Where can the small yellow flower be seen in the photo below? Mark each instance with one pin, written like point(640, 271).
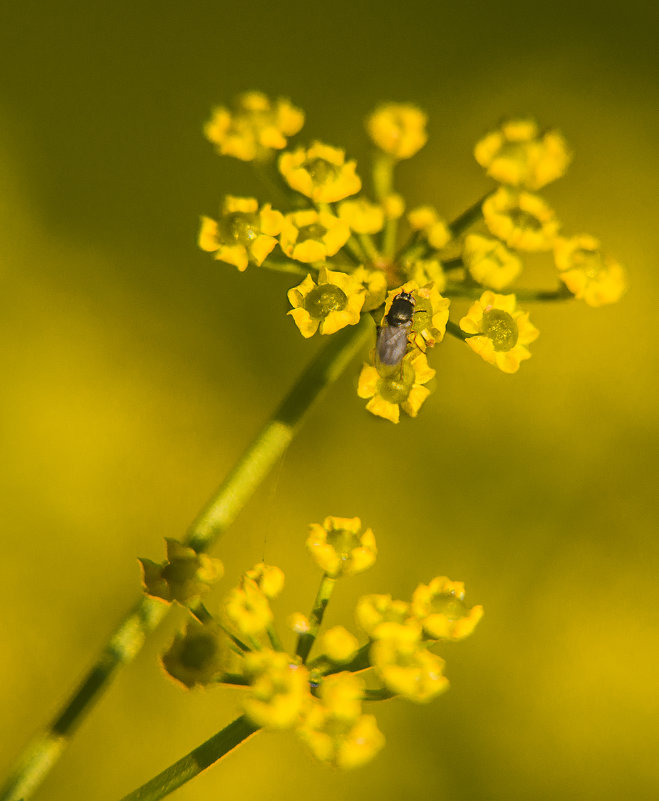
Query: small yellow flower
point(523, 220)
point(490, 262)
point(405, 665)
point(248, 609)
point(254, 127)
point(341, 694)
point(590, 274)
point(440, 608)
point(430, 313)
point(374, 610)
point(398, 129)
point(333, 303)
point(430, 317)
point(500, 331)
point(375, 284)
point(243, 233)
point(362, 216)
point(279, 689)
point(427, 271)
point(199, 656)
point(320, 173)
point(519, 154)
point(268, 578)
point(400, 390)
point(183, 577)
point(335, 730)
point(338, 644)
point(435, 228)
point(393, 205)
point(340, 547)
point(299, 623)
point(310, 235)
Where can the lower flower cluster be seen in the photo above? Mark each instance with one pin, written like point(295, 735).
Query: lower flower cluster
point(319, 687)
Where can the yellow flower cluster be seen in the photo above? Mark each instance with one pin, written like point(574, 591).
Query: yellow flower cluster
point(345, 245)
point(518, 153)
point(254, 127)
point(320, 699)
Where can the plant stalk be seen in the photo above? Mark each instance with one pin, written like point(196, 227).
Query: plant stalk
point(257, 461)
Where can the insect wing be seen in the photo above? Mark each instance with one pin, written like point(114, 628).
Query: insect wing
point(392, 344)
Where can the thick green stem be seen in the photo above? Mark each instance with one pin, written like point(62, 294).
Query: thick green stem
point(306, 640)
point(251, 469)
point(193, 763)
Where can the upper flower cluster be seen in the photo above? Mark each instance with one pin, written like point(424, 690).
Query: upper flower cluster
point(317, 688)
point(345, 245)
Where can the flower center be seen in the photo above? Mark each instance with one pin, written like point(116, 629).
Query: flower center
point(314, 231)
point(180, 570)
point(422, 315)
point(324, 299)
point(344, 543)
point(500, 327)
point(197, 651)
point(450, 606)
point(514, 151)
point(240, 226)
point(525, 220)
point(590, 261)
point(395, 388)
point(320, 170)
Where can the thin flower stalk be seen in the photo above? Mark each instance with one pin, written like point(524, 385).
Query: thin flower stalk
point(306, 640)
point(192, 764)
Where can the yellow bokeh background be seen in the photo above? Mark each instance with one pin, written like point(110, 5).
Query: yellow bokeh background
point(136, 370)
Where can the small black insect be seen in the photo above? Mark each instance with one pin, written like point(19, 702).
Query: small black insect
point(392, 337)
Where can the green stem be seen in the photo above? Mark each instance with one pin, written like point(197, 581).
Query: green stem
point(383, 184)
point(270, 177)
point(202, 614)
point(455, 330)
point(192, 764)
point(410, 247)
point(305, 641)
point(389, 236)
point(472, 215)
point(284, 267)
point(274, 638)
point(354, 248)
point(360, 661)
point(252, 468)
point(383, 175)
point(369, 248)
point(378, 695)
point(453, 290)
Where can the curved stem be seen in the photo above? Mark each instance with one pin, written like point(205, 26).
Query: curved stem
point(455, 330)
point(234, 492)
point(193, 763)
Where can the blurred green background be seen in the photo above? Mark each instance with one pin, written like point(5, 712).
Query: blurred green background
point(135, 370)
